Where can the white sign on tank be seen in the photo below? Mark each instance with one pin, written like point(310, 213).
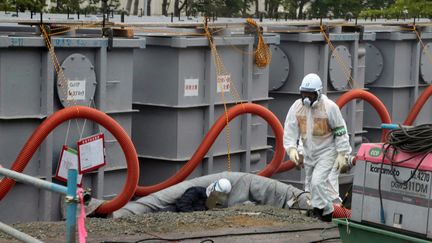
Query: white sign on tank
point(76, 90)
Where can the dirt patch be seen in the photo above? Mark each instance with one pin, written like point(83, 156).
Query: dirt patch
point(236, 217)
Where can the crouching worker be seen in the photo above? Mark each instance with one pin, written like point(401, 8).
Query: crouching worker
point(199, 198)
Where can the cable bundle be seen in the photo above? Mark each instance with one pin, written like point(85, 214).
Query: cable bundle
point(416, 139)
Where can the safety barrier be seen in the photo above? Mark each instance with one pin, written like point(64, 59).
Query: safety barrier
point(71, 200)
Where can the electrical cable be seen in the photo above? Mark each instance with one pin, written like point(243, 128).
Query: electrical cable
point(344, 200)
point(382, 215)
point(326, 239)
point(296, 201)
point(415, 140)
point(225, 235)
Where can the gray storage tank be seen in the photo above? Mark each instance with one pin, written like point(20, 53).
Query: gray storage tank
point(29, 93)
point(173, 117)
point(397, 72)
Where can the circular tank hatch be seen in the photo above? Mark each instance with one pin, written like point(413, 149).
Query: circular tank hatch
point(279, 68)
point(78, 85)
point(374, 63)
point(337, 71)
point(426, 63)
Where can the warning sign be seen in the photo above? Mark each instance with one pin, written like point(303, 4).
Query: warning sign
point(91, 153)
point(223, 83)
point(191, 87)
point(76, 90)
point(68, 160)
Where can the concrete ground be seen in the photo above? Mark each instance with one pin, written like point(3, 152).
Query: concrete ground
point(319, 232)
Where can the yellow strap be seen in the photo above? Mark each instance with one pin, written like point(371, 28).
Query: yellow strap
point(339, 60)
point(220, 71)
point(425, 48)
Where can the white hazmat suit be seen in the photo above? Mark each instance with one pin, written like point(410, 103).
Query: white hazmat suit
point(324, 137)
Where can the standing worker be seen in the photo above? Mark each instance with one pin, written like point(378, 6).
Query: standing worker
point(320, 125)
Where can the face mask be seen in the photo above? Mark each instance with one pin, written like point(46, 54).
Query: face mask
point(307, 101)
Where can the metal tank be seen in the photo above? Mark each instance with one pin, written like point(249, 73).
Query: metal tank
point(397, 72)
point(30, 91)
point(176, 93)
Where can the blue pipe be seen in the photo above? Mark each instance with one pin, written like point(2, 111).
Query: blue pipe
point(69, 191)
point(71, 208)
point(389, 126)
point(30, 180)
point(392, 126)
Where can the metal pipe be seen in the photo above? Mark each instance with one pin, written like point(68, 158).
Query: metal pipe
point(18, 234)
point(69, 191)
point(71, 207)
point(33, 181)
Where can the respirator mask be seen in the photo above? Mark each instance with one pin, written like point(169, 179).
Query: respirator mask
point(310, 99)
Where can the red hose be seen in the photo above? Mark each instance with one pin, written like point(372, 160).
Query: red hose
point(342, 101)
point(211, 136)
point(110, 124)
point(285, 166)
point(418, 105)
point(341, 212)
point(372, 100)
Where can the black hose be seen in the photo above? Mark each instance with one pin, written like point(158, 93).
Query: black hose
point(226, 235)
point(414, 140)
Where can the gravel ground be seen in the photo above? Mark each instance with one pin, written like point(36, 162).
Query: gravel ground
point(153, 225)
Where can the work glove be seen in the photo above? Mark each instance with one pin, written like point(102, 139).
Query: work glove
point(341, 163)
point(294, 156)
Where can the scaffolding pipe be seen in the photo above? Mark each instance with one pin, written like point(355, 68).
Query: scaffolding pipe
point(18, 234)
point(69, 191)
point(71, 205)
point(26, 179)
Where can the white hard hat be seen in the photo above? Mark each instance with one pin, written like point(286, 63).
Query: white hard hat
point(311, 83)
point(221, 185)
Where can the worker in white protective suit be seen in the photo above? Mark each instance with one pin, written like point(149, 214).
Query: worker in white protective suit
point(318, 123)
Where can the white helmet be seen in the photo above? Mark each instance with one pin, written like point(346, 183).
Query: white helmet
point(221, 185)
point(311, 83)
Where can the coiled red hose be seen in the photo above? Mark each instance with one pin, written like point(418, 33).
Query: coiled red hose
point(211, 136)
point(95, 115)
